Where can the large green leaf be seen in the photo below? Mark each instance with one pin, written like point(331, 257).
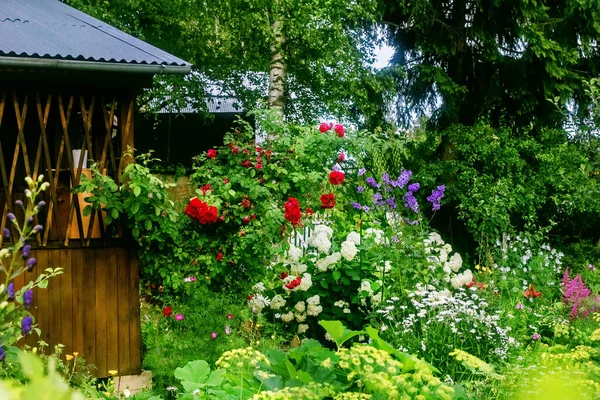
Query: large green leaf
point(338, 332)
point(196, 375)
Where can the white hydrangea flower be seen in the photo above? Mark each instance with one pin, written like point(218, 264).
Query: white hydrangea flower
point(443, 255)
point(302, 328)
point(321, 242)
point(346, 311)
point(447, 248)
point(298, 269)
point(341, 304)
point(314, 310)
point(366, 287)
point(277, 302)
point(288, 317)
point(462, 279)
point(294, 253)
point(353, 237)
point(259, 287)
point(300, 306)
point(300, 317)
point(259, 302)
point(313, 300)
point(306, 282)
point(349, 250)
point(455, 262)
point(323, 229)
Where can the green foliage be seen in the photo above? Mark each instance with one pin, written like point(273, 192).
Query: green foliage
point(338, 332)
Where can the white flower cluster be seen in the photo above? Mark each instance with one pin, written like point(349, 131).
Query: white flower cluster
point(321, 238)
point(349, 250)
point(377, 234)
point(323, 264)
point(298, 269)
point(365, 286)
point(462, 279)
point(258, 302)
point(314, 308)
point(464, 313)
point(294, 254)
point(277, 302)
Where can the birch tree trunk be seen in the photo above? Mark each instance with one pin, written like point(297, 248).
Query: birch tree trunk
point(277, 72)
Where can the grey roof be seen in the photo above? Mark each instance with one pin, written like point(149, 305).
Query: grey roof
point(214, 105)
point(50, 33)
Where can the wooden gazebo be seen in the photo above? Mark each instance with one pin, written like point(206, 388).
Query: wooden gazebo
point(68, 84)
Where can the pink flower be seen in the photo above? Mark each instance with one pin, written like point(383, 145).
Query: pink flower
point(230, 316)
point(227, 330)
point(179, 317)
point(520, 306)
point(213, 335)
point(339, 129)
point(212, 153)
point(536, 336)
point(324, 127)
point(341, 157)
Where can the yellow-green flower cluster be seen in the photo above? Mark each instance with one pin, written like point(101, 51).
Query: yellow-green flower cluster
point(241, 358)
point(595, 335)
point(312, 390)
point(579, 353)
point(375, 371)
point(472, 362)
point(352, 396)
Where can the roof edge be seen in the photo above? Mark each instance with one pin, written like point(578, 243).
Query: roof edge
point(78, 65)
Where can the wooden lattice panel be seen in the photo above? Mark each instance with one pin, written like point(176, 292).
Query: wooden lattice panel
point(86, 119)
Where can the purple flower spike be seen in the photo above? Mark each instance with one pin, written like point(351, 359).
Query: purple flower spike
point(11, 291)
point(30, 264)
point(414, 187)
point(6, 233)
point(361, 172)
point(26, 325)
point(411, 202)
point(38, 228)
point(404, 178)
point(19, 203)
point(10, 216)
point(28, 298)
point(41, 204)
point(30, 221)
point(356, 206)
point(360, 189)
point(2, 353)
point(436, 196)
point(26, 250)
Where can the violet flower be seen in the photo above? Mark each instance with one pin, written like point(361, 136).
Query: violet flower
point(2, 353)
point(11, 291)
point(30, 264)
point(25, 251)
point(436, 196)
point(410, 201)
point(6, 233)
point(28, 298)
point(361, 171)
point(26, 325)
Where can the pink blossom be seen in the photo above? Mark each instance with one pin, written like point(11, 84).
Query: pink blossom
point(536, 336)
point(213, 335)
point(230, 316)
point(227, 330)
point(179, 317)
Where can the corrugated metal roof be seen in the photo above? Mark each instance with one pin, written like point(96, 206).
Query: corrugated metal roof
point(49, 29)
point(214, 105)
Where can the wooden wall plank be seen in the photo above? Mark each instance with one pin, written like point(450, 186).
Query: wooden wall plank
point(77, 300)
point(54, 289)
point(123, 312)
point(134, 311)
point(89, 303)
point(66, 301)
point(112, 309)
point(101, 312)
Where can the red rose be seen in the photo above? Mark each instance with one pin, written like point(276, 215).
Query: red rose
point(167, 311)
point(336, 177)
point(283, 275)
point(260, 151)
point(246, 151)
point(250, 297)
point(309, 212)
point(219, 256)
point(269, 154)
point(292, 211)
point(206, 188)
point(327, 200)
point(246, 220)
point(341, 157)
point(202, 212)
point(259, 166)
point(253, 216)
point(245, 203)
point(324, 127)
point(246, 163)
point(226, 180)
point(339, 129)
point(212, 153)
point(235, 150)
